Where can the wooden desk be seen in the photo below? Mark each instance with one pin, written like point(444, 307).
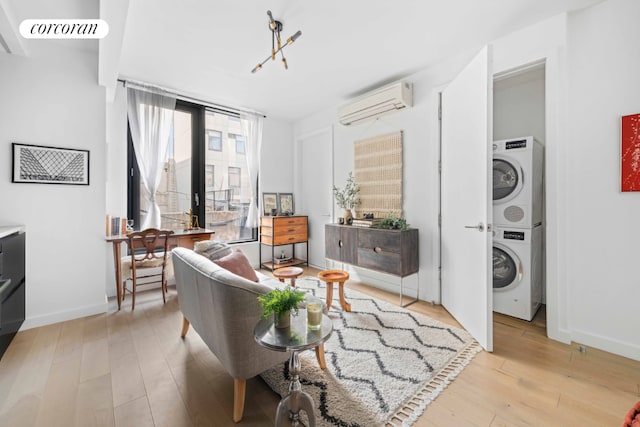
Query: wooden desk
point(182, 238)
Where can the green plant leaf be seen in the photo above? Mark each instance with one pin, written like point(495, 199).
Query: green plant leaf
point(280, 300)
point(393, 222)
point(347, 198)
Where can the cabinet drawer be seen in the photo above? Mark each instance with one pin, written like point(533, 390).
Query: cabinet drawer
point(266, 231)
point(284, 221)
point(288, 229)
point(290, 238)
point(385, 241)
point(387, 262)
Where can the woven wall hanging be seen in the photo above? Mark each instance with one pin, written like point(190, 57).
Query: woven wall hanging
point(378, 172)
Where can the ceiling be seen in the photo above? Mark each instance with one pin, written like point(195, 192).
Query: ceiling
point(207, 48)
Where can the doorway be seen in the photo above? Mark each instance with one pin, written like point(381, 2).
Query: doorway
point(520, 111)
point(313, 186)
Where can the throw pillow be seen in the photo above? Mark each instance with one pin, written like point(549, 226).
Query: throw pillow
point(237, 263)
point(212, 249)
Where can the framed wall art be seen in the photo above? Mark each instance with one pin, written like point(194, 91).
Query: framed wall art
point(269, 204)
point(630, 153)
point(285, 203)
point(49, 165)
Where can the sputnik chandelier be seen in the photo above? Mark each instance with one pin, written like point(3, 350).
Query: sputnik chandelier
point(276, 45)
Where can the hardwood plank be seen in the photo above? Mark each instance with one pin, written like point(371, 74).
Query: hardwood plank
point(59, 398)
point(95, 360)
point(134, 414)
point(126, 379)
point(94, 404)
point(69, 343)
point(164, 397)
point(34, 370)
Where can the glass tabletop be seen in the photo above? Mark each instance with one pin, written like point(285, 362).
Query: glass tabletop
point(295, 337)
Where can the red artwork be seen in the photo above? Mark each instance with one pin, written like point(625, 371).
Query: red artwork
point(630, 152)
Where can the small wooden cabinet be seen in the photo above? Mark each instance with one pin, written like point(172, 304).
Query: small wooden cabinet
point(283, 230)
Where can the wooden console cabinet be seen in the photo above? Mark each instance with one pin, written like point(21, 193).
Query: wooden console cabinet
point(392, 252)
point(388, 251)
point(283, 230)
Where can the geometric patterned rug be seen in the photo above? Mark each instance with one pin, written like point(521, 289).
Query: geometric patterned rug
point(385, 364)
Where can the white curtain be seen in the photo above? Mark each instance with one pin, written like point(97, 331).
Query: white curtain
point(151, 123)
point(252, 126)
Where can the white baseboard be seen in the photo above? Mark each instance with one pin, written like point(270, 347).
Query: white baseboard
point(62, 316)
point(625, 349)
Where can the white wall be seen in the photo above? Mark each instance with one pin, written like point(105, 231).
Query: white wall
point(518, 106)
point(52, 98)
point(276, 163)
point(602, 231)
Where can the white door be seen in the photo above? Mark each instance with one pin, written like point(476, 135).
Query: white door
point(467, 134)
point(315, 183)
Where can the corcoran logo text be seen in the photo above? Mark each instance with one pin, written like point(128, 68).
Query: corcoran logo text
point(64, 28)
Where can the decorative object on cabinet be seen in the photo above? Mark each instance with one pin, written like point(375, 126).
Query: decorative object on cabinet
point(269, 203)
point(393, 252)
point(283, 230)
point(392, 222)
point(285, 203)
point(347, 198)
point(630, 152)
point(378, 172)
point(49, 165)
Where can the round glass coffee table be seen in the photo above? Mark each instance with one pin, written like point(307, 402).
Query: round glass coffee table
point(295, 339)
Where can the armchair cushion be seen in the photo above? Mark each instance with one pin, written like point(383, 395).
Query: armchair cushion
point(237, 263)
point(212, 249)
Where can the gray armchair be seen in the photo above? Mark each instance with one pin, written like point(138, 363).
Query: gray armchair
point(223, 309)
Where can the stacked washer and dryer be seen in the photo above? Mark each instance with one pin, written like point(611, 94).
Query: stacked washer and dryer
point(518, 168)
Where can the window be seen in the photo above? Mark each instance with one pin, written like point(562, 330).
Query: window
point(202, 141)
point(210, 177)
point(235, 178)
point(241, 142)
point(214, 140)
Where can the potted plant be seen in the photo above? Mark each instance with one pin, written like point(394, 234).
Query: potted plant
point(280, 302)
point(393, 222)
point(347, 198)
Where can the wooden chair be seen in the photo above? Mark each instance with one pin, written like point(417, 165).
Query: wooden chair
point(148, 261)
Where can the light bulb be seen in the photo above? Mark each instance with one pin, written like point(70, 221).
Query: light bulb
point(294, 37)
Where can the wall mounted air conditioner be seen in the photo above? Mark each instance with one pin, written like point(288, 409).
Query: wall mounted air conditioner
point(380, 101)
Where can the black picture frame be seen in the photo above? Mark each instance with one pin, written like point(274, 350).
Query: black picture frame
point(285, 204)
point(269, 203)
point(40, 164)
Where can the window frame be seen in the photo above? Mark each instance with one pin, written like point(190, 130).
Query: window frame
point(198, 168)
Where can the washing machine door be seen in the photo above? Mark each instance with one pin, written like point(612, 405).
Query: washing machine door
point(507, 179)
point(507, 268)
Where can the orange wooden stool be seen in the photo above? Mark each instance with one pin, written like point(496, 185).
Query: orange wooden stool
point(288, 273)
point(331, 277)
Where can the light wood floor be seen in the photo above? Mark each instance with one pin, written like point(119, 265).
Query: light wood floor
point(132, 369)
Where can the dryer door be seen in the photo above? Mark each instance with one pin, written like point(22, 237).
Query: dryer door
point(507, 179)
point(507, 268)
